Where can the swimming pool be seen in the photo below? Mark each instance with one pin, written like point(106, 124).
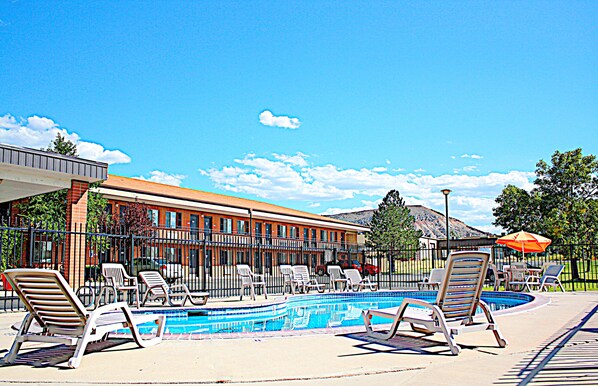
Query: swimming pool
point(305, 312)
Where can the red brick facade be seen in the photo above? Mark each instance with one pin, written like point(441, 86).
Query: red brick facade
point(76, 216)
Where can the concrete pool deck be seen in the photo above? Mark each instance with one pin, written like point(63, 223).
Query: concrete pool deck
point(554, 343)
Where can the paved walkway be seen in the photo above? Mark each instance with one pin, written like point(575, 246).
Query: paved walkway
point(557, 343)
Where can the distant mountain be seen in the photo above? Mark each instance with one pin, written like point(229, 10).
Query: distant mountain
point(430, 222)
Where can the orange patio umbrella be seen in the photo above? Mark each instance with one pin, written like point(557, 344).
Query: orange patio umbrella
point(525, 242)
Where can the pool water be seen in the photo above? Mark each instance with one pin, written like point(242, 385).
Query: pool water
point(306, 312)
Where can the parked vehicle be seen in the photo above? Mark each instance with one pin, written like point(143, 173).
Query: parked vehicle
point(169, 271)
point(343, 263)
point(370, 269)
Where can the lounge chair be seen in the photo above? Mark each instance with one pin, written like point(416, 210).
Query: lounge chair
point(357, 283)
point(433, 281)
point(157, 288)
point(303, 280)
point(336, 277)
point(250, 280)
point(287, 276)
point(550, 278)
point(453, 311)
point(57, 311)
point(117, 281)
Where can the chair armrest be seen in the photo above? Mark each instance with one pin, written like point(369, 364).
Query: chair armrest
point(258, 276)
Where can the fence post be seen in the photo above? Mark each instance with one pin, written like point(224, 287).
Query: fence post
point(205, 264)
point(30, 245)
point(132, 253)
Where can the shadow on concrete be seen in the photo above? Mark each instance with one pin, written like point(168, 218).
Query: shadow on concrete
point(400, 344)
point(53, 356)
point(568, 358)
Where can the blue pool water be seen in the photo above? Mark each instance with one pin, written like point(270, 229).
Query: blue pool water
point(306, 312)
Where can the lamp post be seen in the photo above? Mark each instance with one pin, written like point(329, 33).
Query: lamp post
point(448, 233)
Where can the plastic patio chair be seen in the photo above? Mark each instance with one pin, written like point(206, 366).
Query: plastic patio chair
point(157, 288)
point(357, 283)
point(117, 281)
point(250, 280)
point(336, 277)
point(453, 311)
point(304, 282)
point(56, 310)
point(433, 281)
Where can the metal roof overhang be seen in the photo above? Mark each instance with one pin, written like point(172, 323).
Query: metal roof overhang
point(27, 172)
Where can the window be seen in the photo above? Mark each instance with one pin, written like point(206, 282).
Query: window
point(43, 252)
point(332, 237)
point(282, 231)
point(173, 255)
point(174, 220)
point(122, 213)
point(225, 257)
point(323, 236)
point(242, 227)
point(282, 258)
point(294, 232)
point(226, 225)
point(241, 257)
point(151, 251)
point(268, 233)
point(153, 215)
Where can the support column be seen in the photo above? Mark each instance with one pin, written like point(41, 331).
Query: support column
point(76, 220)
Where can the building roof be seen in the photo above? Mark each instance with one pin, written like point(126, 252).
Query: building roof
point(28, 172)
point(128, 189)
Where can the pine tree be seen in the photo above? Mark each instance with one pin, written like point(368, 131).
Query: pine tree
point(392, 227)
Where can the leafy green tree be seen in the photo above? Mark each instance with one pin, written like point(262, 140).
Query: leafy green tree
point(562, 205)
point(50, 209)
point(392, 227)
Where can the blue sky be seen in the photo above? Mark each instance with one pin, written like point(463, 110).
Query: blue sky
point(318, 106)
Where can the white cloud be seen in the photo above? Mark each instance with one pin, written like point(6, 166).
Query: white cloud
point(474, 156)
point(276, 179)
point(164, 178)
point(297, 159)
point(37, 133)
point(269, 119)
point(420, 170)
point(388, 162)
point(379, 169)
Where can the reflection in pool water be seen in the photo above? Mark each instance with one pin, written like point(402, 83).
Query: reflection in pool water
point(307, 312)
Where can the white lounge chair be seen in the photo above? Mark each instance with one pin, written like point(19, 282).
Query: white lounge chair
point(453, 311)
point(118, 281)
point(336, 277)
point(287, 279)
point(433, 281)
point(62, 318)
point(357, 283)
point(157, 288)
point(550, 278)
point(304, 281)
point(250, 280)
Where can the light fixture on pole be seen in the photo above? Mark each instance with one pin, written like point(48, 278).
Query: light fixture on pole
point(446, 192)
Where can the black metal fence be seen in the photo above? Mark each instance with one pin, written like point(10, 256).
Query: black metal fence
point(205, 260)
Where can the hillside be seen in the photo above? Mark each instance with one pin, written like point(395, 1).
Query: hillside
point(430, 222)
